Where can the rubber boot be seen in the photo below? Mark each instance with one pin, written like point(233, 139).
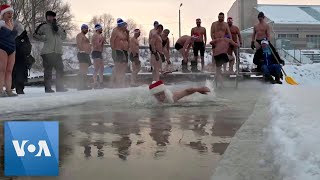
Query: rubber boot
point(194, 67)
point(271, 80)
point(277, 78)
point(185, 67)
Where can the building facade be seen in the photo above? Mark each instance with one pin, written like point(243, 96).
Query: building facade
point(292, 26)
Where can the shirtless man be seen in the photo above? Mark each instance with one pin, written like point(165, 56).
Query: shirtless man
point(134, 56)
point(157, 55)
point(199, 45)
point(97, 42)
point(236, 37)
point(183, 45)
point(261, 31)
point(166, 47)
point(151, 33)
point(164, 95)
point(84, 49)
point(119, 42)
point(222, 44)
point(219, 29)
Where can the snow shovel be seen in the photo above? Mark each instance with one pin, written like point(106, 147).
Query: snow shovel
point(288, 79)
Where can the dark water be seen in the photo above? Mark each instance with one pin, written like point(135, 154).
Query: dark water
point(183, 141)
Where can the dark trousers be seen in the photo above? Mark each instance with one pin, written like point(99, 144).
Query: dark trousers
point(51, 61)
point(19, 76)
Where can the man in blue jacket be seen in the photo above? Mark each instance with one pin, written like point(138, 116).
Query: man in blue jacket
point(268, 67)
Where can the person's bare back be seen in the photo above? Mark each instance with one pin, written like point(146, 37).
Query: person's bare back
point(222, 45)
point(157, 43)
point(184, 40)
point(234, 33)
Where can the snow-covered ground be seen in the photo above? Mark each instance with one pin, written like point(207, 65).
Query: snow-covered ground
point(294, 131)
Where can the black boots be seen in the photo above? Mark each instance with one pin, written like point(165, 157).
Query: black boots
point(194, 67)
point(277, 78)
point(269, 78)
point(185, 67)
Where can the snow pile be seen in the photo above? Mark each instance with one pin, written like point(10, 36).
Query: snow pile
point(308, 74)
point(294, 130)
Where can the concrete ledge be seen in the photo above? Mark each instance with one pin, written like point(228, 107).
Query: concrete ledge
point(248, 157)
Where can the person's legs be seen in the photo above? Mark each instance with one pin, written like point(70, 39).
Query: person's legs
point(101, 72)
point(156, 68)
point(47, 66)
point(136, 66)
point(59, 67)
point(275, 70)
point(266, 72)
point(3, 66)
point(95, 72)
point(231, 63)
point(8, 74)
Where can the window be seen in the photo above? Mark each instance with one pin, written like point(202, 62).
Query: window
point(313, 41)
point(288, 36)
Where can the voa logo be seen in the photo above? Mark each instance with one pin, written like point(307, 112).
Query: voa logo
point(41, 148)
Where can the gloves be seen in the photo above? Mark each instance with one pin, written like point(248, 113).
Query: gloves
point(55, 27)
point(252, 45)
point(163, 58)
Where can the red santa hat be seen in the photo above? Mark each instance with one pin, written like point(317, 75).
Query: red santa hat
point(4, 9)
point(157, 87)
point(195, 35)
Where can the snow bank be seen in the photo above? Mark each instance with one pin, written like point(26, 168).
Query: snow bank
point(294, 131)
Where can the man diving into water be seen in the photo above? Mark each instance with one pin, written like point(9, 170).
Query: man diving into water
point(164, 95)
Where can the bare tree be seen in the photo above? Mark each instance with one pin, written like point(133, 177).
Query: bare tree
point(106, 21)
point(32, 12)
point(132, 25)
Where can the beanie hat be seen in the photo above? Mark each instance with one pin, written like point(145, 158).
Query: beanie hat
point(136, 31)
point(97, 27)
point(84, 26)
point(4, 9)
point(195, 35)
point(157, 87)
point(261, 14)
point(120, 22)
point(51, 13)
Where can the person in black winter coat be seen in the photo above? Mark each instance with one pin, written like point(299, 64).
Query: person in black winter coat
point(22, 64)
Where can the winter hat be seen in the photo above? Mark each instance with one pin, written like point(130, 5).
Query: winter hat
point(157, 87)
point(97, 27)
point(195, 35)
point(261, 14)
point(4, 9)
point(136, 31)
point(156, 23)
point(51, 13)
point(84, 26)
point(120, 22)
